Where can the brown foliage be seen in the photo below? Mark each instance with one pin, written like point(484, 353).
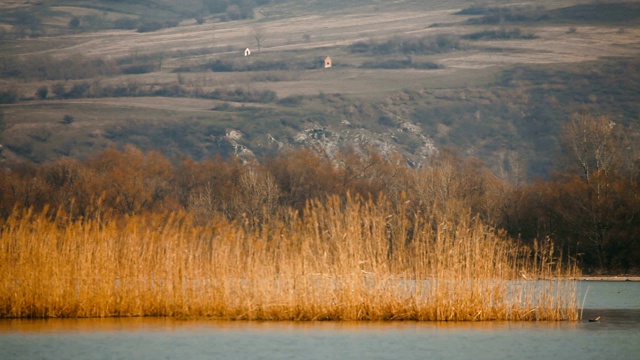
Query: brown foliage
point(302, 175)
point(591, 207)
point(591, 210)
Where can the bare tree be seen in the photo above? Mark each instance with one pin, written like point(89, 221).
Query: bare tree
point(257, 195)
point(590, 142)
point(259, 34)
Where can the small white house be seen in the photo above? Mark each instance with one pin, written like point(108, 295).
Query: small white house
point(247, 52)
point(323, 62)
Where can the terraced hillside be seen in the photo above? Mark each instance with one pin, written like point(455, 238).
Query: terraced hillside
point(494, 80)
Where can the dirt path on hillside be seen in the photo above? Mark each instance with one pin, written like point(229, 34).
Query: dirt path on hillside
point(160, 103)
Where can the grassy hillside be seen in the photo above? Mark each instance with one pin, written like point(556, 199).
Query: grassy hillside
point(494, 80)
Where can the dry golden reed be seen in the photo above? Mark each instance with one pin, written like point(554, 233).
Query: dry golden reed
point(341, 260)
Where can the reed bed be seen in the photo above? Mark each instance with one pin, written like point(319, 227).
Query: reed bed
point(340, 260)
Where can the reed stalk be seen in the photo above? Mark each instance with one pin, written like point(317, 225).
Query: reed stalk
point(340, 260)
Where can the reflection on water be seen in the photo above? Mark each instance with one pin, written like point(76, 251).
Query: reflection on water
point(616, 336)
point(614, 319)
point(133, 325)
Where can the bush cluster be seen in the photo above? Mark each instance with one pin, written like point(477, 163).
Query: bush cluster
point(498, 15)
point(9, 96)
point(243, 95)
point(149, 26)
point(499, 34)
point(232, 9)
point(231, 65)
point(408, 45)
point(43, 67)
point(95, 90)
point(400, 64)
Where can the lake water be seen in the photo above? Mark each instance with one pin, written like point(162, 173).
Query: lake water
point(617, 336)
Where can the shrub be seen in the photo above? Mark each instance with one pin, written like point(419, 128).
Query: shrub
point(59, 90)
point(74, 23)
point(79, 90)
point(360, 47)
point(222, 107)
point(8, 96)
point(221, 66)
point(139, 69)
point(150, 26)
point(267, 96)
point(428, 65)
point(67, 119)
point(42, 92)
point(23, 148)
point(126, 24)
point(386, 121)
point(293, 100)
point(499, 34)
point(120, 91)
point(171, 90)
point(27, 24)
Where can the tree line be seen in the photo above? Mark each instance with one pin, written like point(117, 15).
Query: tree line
point(590, 208)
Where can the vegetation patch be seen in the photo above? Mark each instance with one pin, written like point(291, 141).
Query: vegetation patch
point(607, 13)
point(400, 64)
point(407, 45)
point(500, 14)
point(240, 65)
point(501, 34)
point(48, 68)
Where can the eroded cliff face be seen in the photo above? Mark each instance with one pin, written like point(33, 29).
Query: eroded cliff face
point(405, 139)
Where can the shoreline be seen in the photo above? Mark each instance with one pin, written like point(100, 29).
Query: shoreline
point(608, 278)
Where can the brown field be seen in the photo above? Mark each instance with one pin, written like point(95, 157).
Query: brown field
point(81, 11)
point(329, 31)
point(8, 4)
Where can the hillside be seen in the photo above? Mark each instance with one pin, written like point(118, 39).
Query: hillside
point(494, 80)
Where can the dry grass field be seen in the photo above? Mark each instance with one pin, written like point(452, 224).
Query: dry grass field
point(298, 31)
